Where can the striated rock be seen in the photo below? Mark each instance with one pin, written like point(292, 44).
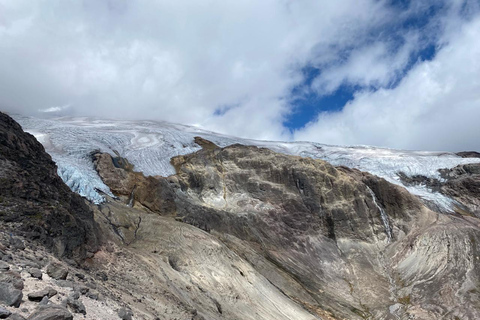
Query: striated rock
point(50, 312)
point(57, 271)
point(34, 196)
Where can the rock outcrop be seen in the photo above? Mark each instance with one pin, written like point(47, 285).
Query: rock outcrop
point(33, 196)
point(237, 233)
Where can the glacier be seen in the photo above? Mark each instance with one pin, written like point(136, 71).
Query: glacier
point(149, 146)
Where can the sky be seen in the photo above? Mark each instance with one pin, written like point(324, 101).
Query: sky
point(398, 74)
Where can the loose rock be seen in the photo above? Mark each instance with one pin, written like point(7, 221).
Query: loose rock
point(57, 271)
point(10, 296)
point(51, 312)
point(4, 313)
point(35, 273)
point(76, 305)
point(4, 266)
point(125, 314)
point(38, 295)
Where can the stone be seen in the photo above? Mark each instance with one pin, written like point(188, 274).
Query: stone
point(12, 277)
point(4, 313)
point(44, 301)
point(10, 296)
point(57, 271)
point(38, 295)
point(35, 273)
point(4, 266)
point(76, 305)
point(16, 316)
point(50, 312)
point(125, 314)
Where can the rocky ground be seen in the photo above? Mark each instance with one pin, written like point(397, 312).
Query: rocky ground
point(237, 233)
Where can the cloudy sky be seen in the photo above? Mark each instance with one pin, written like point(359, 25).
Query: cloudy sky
point(400, 74)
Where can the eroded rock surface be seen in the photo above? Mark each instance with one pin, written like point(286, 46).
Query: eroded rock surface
point(33, 195)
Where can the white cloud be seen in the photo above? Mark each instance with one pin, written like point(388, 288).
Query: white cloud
point(177, 61)
point(225, 65)
point(436, 106)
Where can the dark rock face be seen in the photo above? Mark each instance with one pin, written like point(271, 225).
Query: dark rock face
point(469, 154)
point(32, 194)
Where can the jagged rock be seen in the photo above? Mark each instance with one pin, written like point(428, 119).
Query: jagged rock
point(10, 296)
point(50, 312)
point(44, 301)
point(12, 277)
point(16, 316)
point(76, 305)
point(35, 273)
point(38, 295)
point(134, 184)
point(125, 314)
point(4, 313)
point(17, 243)
point(35, 197)
point(4, 266)
point(57, 271)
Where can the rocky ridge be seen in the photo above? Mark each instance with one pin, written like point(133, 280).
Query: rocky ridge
point(242, 232)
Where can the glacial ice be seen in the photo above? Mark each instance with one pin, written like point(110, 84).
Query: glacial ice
point(149, 145)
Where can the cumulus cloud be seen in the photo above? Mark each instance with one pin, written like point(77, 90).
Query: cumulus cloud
point(436, 106)
point(228, 66)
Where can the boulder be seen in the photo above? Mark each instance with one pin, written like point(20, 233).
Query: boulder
point(4, 266)
point(35, 273)
point(9, 295)
point(38, 295)
point(57, 271)
point(76, 305)
point(4, 313)
point(50, 312)
point(125, 314)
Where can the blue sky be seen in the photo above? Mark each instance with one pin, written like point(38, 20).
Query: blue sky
point(400, 74)
point(307, 103)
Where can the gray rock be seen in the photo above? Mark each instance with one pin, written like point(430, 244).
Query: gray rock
point(17, 243)
point(92, 295)
point(65, 283)
point(12, 277)
point(4, 313)
point(57, 271)
point(76, 306)
point(125, 314)
point(35, 273)
point(16, 316)
point(4, 266)
point(81, 289)
point(75, 295)
point(50, 312)
point(44, 301)
point(10, 296)
point(38, 295)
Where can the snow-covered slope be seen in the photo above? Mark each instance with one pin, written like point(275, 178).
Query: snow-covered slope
point(149, 145)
